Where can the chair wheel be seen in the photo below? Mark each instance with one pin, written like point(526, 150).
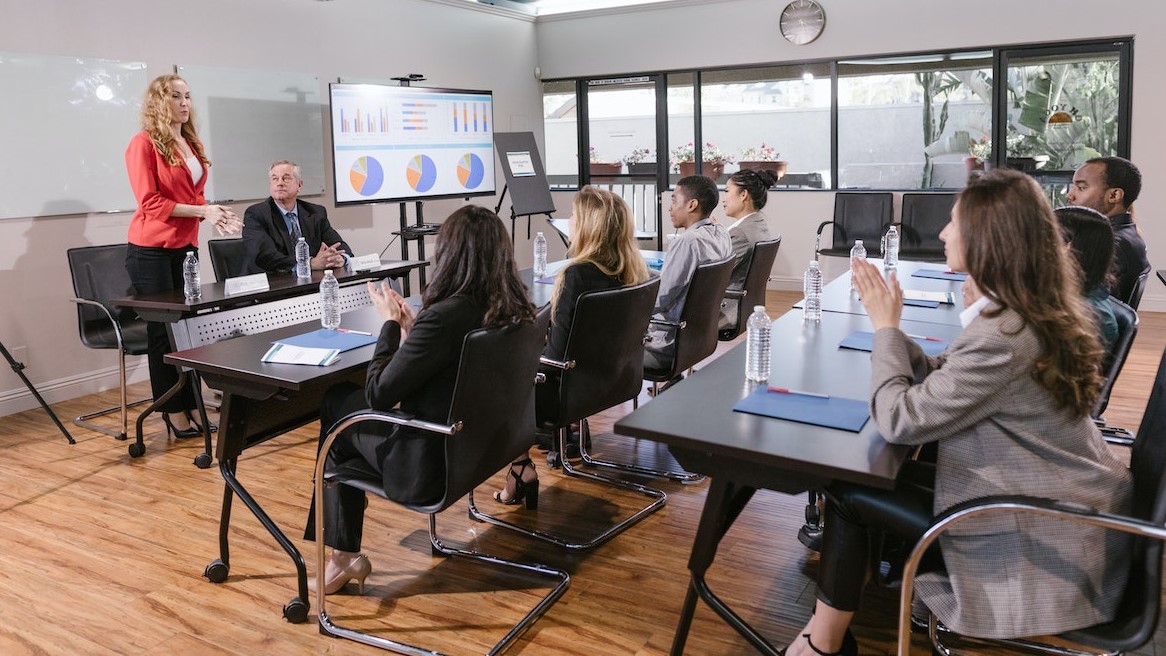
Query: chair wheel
point(137, 450)
point(217, 571)
point(296, 611)
point(202, 460)
point(553, 460)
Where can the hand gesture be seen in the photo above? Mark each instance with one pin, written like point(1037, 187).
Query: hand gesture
point(883, 299)
point(970, 291)
point(225, 220)
point(382, 299)
point(328, 257)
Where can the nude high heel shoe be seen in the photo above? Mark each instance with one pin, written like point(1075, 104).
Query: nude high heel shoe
point(358, 570)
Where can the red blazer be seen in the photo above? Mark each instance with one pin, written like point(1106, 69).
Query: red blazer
point(159, 186)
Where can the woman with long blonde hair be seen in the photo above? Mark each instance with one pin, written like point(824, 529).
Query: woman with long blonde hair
point(167, 167)
point(603, 255)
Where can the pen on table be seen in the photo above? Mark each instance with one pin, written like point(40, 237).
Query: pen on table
point(926, 337)
point(354, 332)
point(786, 390)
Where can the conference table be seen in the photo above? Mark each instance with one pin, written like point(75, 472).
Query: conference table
point(744, 452)
point(189, 323)
point(838, 297)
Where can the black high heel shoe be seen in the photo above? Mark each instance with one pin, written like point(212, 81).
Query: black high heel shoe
point(523, 489)
point(193, 431)
point(849, 646)
point(214, 428)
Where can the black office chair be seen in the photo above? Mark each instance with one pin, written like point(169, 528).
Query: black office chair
point(922, 217)
point(491, 422)
point(99, 276)
point(1137, 615)
point(861, 215)
point(760, 264)
point(1127, 330)
point(696, 331)
point(601, 367)
point(228, 257)
point(1135, 297)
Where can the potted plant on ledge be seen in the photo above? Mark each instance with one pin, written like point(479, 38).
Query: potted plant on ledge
point(684, 159)
point(638, 162)
point(600, 168)
point(765, 157)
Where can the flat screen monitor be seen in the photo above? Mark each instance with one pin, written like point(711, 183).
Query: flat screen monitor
point(393, 143)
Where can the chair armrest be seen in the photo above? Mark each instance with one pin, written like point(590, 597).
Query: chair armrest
point(734, 293)
point(1117, 435)
point(108, 315)
point(818, 238)
point(822, 225)
point(668, 324)
point(1053, 508)
point(557, 364)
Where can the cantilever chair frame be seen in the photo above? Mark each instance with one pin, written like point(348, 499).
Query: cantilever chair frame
point(884, 198)
point(86, 420)
point(369, 481)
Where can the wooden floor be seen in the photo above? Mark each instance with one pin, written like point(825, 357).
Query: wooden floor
point(103, 554)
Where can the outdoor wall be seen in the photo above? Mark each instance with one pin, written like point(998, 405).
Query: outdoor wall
point(713, 33)
point(452, 43)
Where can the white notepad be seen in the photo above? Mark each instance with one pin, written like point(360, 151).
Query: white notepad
point(937, 297)
point(287, 354)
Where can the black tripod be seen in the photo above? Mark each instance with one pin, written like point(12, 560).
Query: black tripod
point(18, 367)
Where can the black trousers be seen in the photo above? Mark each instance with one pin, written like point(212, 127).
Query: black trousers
point(858, 517)
point(344, 505)
point(155, 270)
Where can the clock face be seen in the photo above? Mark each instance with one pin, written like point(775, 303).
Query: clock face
point(802, 21)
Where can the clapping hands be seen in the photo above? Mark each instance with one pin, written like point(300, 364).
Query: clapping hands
point(225, 220)
point(883, 299)
point(391, 305)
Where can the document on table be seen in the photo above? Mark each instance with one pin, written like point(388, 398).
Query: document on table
point(287, 354)
point(339, 340)
point(947, 298)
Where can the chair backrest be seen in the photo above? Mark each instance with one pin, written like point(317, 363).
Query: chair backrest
point(923, 216)
point(701, 314)
point(1115, 359)
point(99, 274)
point(494, 401)
point(761, 259)
point(862, 215)
point(1135, 298)
point(606, 343)
point(227, 257)
point(1137, 615)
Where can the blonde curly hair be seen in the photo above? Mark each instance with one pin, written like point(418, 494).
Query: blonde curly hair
point(156, 120)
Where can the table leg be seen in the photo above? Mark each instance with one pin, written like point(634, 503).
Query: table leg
point(202, 460)
point(138, 448)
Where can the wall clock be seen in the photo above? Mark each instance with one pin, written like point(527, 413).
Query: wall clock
point(802, 21)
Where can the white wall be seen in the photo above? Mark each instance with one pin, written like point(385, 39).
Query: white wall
point(734, 32)
point(453, 44)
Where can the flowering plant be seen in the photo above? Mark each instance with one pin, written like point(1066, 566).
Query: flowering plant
point(709, 153)
point(981, 149)
point(762, 154)
point(637, 155)
point(594, 156)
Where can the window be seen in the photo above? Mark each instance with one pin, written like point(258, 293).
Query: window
point(561, 133)
point(909, 122)
point(775, 117)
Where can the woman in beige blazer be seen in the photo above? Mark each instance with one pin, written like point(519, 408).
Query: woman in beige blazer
point(1008, 404)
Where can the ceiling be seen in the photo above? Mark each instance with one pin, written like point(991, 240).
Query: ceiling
point(549, 7)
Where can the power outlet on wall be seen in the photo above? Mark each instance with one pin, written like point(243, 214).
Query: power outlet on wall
point(20, 354)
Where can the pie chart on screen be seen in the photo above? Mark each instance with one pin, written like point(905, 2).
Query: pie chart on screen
point(470, 171)
point(421, 173)
point(366, 176)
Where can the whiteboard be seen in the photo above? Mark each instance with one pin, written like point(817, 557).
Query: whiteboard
point(64, 126)
point(248, 119)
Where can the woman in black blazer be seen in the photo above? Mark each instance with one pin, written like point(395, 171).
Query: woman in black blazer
point(475, 284)
point(604, 255)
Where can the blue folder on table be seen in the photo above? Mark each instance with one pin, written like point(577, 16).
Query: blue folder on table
point(831, 412)
point(329, 339)
point(654, 263)
point(941, 274)
point(863, 340)
point(546, 280)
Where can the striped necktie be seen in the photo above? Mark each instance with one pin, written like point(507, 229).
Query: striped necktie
point(295, 226)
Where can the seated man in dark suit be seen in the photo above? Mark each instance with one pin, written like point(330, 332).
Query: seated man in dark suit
point(272, 227)
point(1110, 185)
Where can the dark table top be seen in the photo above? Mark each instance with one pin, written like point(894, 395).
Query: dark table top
point(838, 297)
point(697, 414)
point(172, 305)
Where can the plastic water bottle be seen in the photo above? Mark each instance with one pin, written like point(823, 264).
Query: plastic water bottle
point(540, 256)
point(757, 346)
point(856, 253)
point(303, 259)
point(812, 286)
point(330, 301)
point(891, 252)
point(191, 277)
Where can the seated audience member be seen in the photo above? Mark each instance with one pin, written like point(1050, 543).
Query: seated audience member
point(272, 227)
point(604, 255)
point(745, 194)
point(415, 365)
point(1089, 236)
point(1008, 403)
point(1110, 185)
point(693, 200)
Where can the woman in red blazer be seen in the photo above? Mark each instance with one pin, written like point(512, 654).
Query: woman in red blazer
point(167, 167)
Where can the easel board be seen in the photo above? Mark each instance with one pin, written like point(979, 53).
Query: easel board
point(526, 177)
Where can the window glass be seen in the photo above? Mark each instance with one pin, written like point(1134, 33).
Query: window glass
point(774, 117)
point(681, 121)
point(561, 133)
point(621, 114)
point(911, 122)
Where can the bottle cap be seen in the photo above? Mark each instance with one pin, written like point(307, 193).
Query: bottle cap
point(758, 308)
point(813, 262)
